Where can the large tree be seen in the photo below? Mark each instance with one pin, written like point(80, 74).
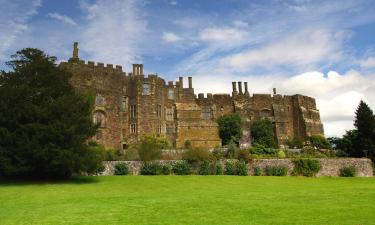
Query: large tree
point(230, 128)
point(262, 132)
point(365, 124)
point(44, 124)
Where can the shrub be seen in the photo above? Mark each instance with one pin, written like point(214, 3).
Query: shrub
point(121, 169)
point(151, 168)
point(260, 150)
point(218, 154)
point(348, 171)
point(319, 141)
point(131, 153)
point(113, 155)
point(306, 167)
point(294, 143)
point(149, 148)
point(196, 155)
point(276, 170)
point(280, 154)
point(188, 144)
point(257, 171)
point(231, 150)
point(205, 168)
point(241, 168)
point(243, 154)
point(230, 128)
point(182, 168)
point(218, 168)
point(230, 168)
point(262, 133)
point(166, 169)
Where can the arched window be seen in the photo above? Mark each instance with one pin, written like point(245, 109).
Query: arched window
point(99, 118)
point(99, 100)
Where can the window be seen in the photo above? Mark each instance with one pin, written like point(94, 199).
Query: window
point(158, 111)
point(124, 103)
point(146, 89)
point(99, 118)
point(265, 113)
point(99, 100)
point(133, 128)
point(133, 111)
point(170, 94)
point(169, 114)
point(206, 112)
point(158, 131)
point(170, 129)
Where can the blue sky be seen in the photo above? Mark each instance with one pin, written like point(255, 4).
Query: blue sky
point(324, 49)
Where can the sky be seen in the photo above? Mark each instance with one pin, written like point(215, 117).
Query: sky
point(322, 49)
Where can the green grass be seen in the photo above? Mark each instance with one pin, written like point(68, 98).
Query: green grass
point(190, 200)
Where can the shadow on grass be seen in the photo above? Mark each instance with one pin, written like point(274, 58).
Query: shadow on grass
point(79, 180)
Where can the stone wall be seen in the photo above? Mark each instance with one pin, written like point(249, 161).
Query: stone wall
point(330, 167)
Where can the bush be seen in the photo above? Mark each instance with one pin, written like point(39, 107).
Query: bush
point(149, 148)
point(121, 169)
point(262, 133)
point(230, 128)
point(196, 155)
point(231, 150)
point(261, 150)
point(218, 154)
point(218, 168)
point(205, 168)
point(280, 154)
point(131, 153)
point(243, 154)
point(188, 144)
point(294, 143)
point(230, 168)
point(319, 141)
point(306, 167)
point(166, 169)
point(113, 155)
point(257, 171)
point(276, 170)
point(182, 168)
point(348, 171)
point(151, 168)
point(241, 168)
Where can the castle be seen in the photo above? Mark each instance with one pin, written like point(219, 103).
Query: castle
point(129, 105)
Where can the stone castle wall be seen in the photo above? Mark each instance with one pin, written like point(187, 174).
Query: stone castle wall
point(132, 104)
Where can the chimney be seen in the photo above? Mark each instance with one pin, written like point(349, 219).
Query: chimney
point(246, 90)
point(239, 87)
point(234, 88)
point(75, 50)
point(181, 79)
point(135, 69)
point(190, 82)
point(140, 69)
point(274, 91)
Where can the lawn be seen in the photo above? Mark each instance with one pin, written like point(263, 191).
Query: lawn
point(189, 200)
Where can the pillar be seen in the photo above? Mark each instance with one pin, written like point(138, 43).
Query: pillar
point(234, 88)
point(274, 91)
point(246, 90)
point(181, 79)
point(239, 87)
point(190, 82)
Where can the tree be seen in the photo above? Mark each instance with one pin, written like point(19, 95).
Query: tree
point(230, 128)
point(262, 133)
point(365, 124)
point(149, 148)
point(44, 124)
point(319, 141)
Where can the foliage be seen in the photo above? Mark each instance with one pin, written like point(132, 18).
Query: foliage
point(257, 171)
point(218, 154)
point(365, 124)
point(166, 169)
point(151, 168)
point(196, 155)
point(113, 155)
point(243, 154)
point(131, 153)
point(241, 168)
point(205, 168)
point(261, 150)
point(92, 162)
point(294, 143)
point(348, 171)
point(319, 142)
point(310, 152)
point(280, 154)
point(218, 168)
point(44, 123)
point(306, 167)
point(276, 170)
point(182, 168)
point(188, 144)
point(149, 148)
point(230, 128)
point(121, 169)
point(262, 133)
point(232, 148)
point(230, 168)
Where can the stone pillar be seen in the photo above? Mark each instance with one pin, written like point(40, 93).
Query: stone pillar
point(140, 69)
point(75, 50)
point(181, 79)
point(134, 69)
point(234, 88)
point(190, 82)
point(239, 87)
point(246, 90)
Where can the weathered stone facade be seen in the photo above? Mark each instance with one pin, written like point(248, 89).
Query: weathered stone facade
point(129, 105)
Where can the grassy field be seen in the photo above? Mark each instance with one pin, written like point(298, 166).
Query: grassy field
point(190, 200)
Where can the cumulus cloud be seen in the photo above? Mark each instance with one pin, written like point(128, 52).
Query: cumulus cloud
point(114, 31)
point(62, 18)
point(337, 95)
point(13, 21)
point(368, 62)
point(170, 37)
point(222, 35)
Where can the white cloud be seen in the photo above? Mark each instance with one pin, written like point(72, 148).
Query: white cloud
point(13, 21)
point(337, 95)
point(173, 3)
point(301, 50)
point(62, 18)
point(170, 37)
point(368, 62)
point(240, 24)
point(222, 35)
point(114, 31)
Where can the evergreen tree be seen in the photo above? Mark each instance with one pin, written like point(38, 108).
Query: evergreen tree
point(262, 133)
point(44, 124)
point(230, 128)
point(365, 124)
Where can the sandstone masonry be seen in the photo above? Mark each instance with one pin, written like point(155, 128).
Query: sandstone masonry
point(129, 105)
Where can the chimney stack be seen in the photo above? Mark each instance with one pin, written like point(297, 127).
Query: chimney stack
point(274, 91)
point(246, 90)
point(190, 82)
point(181, 79)
point(239, 87)
point(234, 88)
